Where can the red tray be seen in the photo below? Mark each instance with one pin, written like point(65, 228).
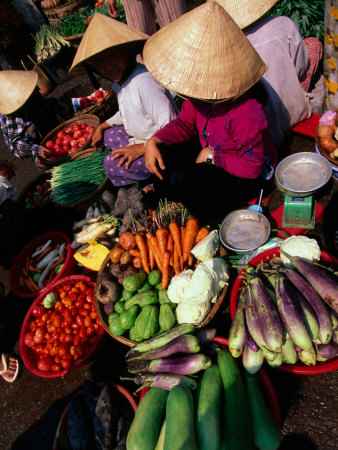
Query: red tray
point(18, 263)
point(320, 367)
point(29, 357)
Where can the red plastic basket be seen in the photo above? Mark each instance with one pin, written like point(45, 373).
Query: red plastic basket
point(19, 262)
point(30, 358)
point(320, 367)
point(269, 392)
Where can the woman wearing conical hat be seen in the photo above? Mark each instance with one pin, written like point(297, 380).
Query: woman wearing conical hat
point(292, 61)
point(110, 47)
point(206, 58)
point(26, 117)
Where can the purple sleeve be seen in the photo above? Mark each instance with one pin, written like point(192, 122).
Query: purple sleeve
point(243, 153)
point(180, 129)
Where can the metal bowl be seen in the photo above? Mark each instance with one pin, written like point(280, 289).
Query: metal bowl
point(244, 230)
point(302, 174)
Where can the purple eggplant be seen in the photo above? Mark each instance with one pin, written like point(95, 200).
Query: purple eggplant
point(250, 341)
point(309, 315)
point(308, 357)
point(327, 351)
point(206, 335)
point(252, 360)
point(323, 315)
point(289, 352)
point(181, 365)
point(322, 282)
point(163, 380)
point(252, 321)
point(237, 331)
point(267, 315)
point(161, 339)
point(291, 313)
point(186, 343)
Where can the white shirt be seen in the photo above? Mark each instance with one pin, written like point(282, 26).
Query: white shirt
point(6, 189)
point(280, 45)
point(144, 105)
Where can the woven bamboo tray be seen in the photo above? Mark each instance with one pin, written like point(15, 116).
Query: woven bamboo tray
point(56, 15)
point(88, 119)
point(326, 155)
point(104, 318)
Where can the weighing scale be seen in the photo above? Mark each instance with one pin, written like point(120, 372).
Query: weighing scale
point(299, 176)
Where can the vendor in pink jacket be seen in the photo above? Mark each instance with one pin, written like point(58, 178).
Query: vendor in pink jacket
point(235, 154)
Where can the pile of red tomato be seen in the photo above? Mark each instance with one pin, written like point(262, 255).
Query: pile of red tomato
point(63, 334)
point(69, 140)
point(98, 96)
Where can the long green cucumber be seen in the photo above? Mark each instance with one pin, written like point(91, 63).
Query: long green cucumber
point(180, 420)
point(208, 417)
point(237, 420)
point(265, 431)
point(160, 440)
point(145, 428)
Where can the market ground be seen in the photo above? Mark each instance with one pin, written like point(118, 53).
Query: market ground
point(30, 409)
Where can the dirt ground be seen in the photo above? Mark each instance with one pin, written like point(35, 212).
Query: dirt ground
point(30, 409)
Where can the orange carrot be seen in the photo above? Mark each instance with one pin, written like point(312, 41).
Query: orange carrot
point(150, 251)
point(141, 245)
point(170, 248)
point(165, 270)
point(181, 264)
point(190, 259)
point(162, 238)
point(177, 267)
point(134, 252)
point(157, 252)
point(192, 228)
point(175, 231)
point(203, 232)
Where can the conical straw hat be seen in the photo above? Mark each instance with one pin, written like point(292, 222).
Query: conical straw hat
point(245, 12)
point(16, 86)
point(203, 54)
point(102, 33)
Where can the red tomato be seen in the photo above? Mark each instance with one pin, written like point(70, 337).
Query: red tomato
point(65, 363)
point(79, 320)
point(59, 141)
point(57, 359)
point(39, 349)
point(64, 348)
point(56, 368)
point(89, 129)
point(49, 144)
point(69, 337)
point(69, 130)
point(82, 140)
point(77, 134)
point(83, 125)
point(57, 321)
point(87, 322)
point(82, 332)
point(76, 339)
point(99, 92)
point(76, 127)
point(38, 311)
point(57, 148)
point(45, 363)
point(39, 335)
point(29, 339)
point(83, 312)
point(93, 315)
point(54, 351)
point(61, 134)
point(67, 139)
point(90, 331)
point(32, 325)
point(81, 285)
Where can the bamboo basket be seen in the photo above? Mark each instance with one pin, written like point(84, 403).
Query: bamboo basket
point(81, 206)
point(88, 119)
point(104, 318)
point(56, 15)
point(324, 153)
point(105, 109)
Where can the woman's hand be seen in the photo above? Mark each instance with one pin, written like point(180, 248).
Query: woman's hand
point(112, 8)
point(44, 152)
point(128, 154)
point(153, 157)
point(203, 154)
point(98, 133)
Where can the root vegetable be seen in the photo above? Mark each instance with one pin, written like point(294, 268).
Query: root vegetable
point(126, 258)
point(325, 130)
point(328, 144)
point(115, 254)
point(108, 292)
point(127, 240)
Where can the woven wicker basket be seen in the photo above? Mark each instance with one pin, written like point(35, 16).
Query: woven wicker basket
point(56, 15)
point(81, 206)
point(104, 318)
point(105, 109)
point(88, 119)
point(324, 153)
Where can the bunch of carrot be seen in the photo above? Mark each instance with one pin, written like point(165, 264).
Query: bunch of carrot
point(168, 241)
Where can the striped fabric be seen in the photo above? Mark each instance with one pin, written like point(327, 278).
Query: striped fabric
point(141, 14)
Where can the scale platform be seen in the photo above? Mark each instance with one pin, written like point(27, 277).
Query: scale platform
point(299, 212)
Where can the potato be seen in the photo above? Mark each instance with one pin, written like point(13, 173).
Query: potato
point(126, 258)
point(115, 254)
point(335, 153)
point(325, 130)
point(127, 240)
point(328, 144)
point(137, 262)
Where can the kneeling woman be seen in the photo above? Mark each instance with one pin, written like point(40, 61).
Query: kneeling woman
point(236, 151)
point(110, 47)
